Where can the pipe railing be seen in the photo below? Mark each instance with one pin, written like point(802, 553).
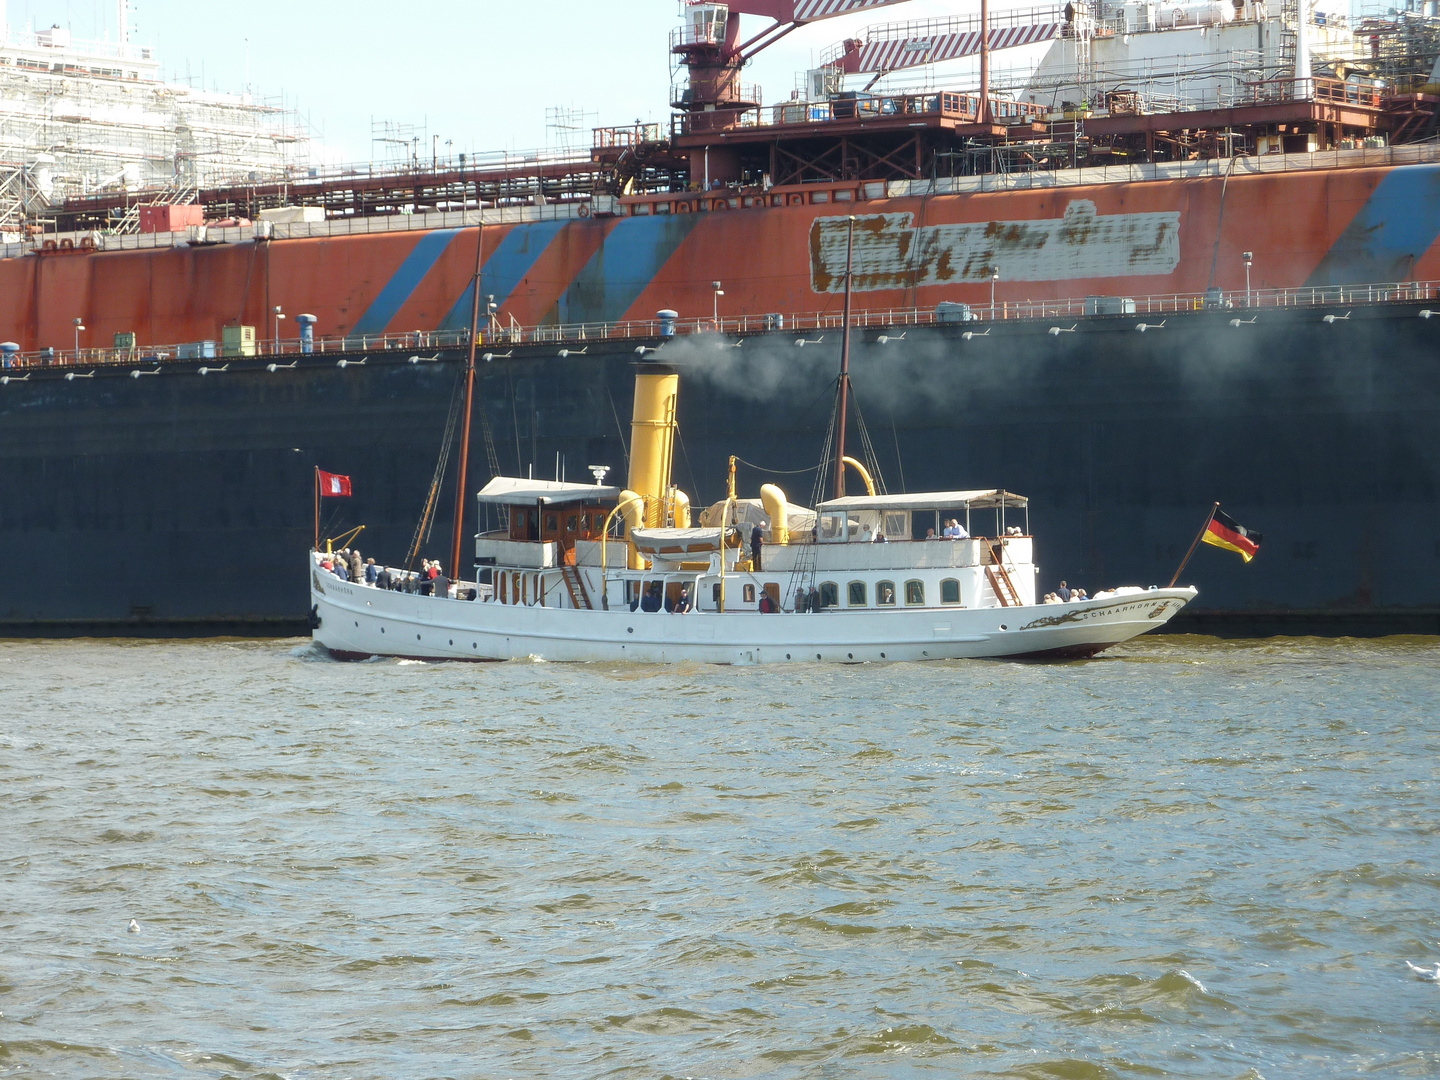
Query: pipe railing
point(573, 338)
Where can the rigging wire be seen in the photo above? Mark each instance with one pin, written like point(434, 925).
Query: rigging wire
point(425, 527)
point(776, 472)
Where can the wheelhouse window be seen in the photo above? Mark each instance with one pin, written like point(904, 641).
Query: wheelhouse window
point(858, 594)
point(950, 591)
point(885, 593)
point(915, 593)
point(829, 594)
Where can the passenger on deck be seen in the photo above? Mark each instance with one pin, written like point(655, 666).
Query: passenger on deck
point(767, 605)
point(382, 578)
point(653, 599)
point(340, 571)
point(372, 572)
point(682, 606)
point(1063, 593)
point(880, 538)
point(1080, 594)
point(357, 567)
point(929, 534)
point(757, 540)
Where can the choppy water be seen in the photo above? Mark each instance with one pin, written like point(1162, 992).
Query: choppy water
point(1186, 859)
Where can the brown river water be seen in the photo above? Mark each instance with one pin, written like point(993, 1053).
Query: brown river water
point(1184, 858)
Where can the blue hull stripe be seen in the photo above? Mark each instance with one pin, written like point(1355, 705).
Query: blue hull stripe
point(505, 269)
point(1397, 225)
point(405, 281)
point(627, 262)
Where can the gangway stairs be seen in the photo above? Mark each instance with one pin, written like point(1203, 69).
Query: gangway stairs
point(999, 577)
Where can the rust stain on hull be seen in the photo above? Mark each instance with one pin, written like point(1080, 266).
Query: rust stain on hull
point(891, 253)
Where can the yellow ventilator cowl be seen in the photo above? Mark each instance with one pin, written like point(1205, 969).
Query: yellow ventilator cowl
point(777, 509)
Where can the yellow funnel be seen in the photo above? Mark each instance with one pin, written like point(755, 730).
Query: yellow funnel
point(652, 440)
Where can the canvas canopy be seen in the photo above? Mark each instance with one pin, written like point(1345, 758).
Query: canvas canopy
point(513, 491)
point(986, 499)
point(676, 541)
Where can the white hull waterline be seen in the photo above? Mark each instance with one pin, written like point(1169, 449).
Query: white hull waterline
point(358, 621)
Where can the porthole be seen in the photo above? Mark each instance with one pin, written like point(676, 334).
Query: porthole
point(817, 656)
point(452, 641)
point(882, 656)
point(850, 656)
point(475, 644)
point(1004, 627)
point(629, 629)
point(787, 656)
point(382, 629)
point(357, 624)
point(417, 637)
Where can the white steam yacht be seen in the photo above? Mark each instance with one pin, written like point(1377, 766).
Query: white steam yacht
point(590, 572)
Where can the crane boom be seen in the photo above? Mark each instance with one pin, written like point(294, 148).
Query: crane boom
point(897, 46)
point(800, 12)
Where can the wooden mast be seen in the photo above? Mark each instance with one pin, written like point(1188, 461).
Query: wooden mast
point(462, 477)
point(842, 405)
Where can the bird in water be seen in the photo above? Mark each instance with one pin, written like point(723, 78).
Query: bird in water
point(134, 928)
point(1424, 973)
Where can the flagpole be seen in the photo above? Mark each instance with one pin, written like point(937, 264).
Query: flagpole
point(317, 508)
point(1198, 537)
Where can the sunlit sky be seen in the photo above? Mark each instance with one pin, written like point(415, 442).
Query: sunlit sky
point(480, 76)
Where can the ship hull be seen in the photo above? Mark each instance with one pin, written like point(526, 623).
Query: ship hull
point(174, 503)
point(357, 622)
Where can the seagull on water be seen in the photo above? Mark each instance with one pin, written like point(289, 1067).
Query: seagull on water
point(1424, 973)
point(134, 928)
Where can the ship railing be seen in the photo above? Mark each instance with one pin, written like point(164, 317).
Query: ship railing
point(808, 327)
point(1328, 91)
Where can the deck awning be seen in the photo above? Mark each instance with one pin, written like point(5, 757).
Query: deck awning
point(515, 491)
point(990, 498)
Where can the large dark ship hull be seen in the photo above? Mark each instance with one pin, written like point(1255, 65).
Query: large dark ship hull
point(175, 503)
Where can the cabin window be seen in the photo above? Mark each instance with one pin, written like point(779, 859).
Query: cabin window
point(552, 523)
point(885, 593)
point(829, 594)
point(832, 526)
point(857, 594)
point(749, 594)
point(950, 591)
point(715, 594)
point(572, 523)
point(915, 593)
point(897, 525)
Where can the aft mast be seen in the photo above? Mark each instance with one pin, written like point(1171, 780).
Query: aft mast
point(842, 394)
point(463, 470)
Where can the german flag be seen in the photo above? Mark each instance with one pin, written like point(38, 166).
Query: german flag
point(1225, 532)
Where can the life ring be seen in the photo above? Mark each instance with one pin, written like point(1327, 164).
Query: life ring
point(584, 210)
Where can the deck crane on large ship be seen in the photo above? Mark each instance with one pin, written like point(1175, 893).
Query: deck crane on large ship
point(710, 49)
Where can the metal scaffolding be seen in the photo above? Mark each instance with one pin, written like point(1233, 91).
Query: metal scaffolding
point(82, 118)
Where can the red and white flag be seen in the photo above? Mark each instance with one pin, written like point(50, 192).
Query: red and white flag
point(333, 484)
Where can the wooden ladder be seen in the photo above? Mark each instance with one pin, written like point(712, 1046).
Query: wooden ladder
point(575, 585)
point(1000, 577)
